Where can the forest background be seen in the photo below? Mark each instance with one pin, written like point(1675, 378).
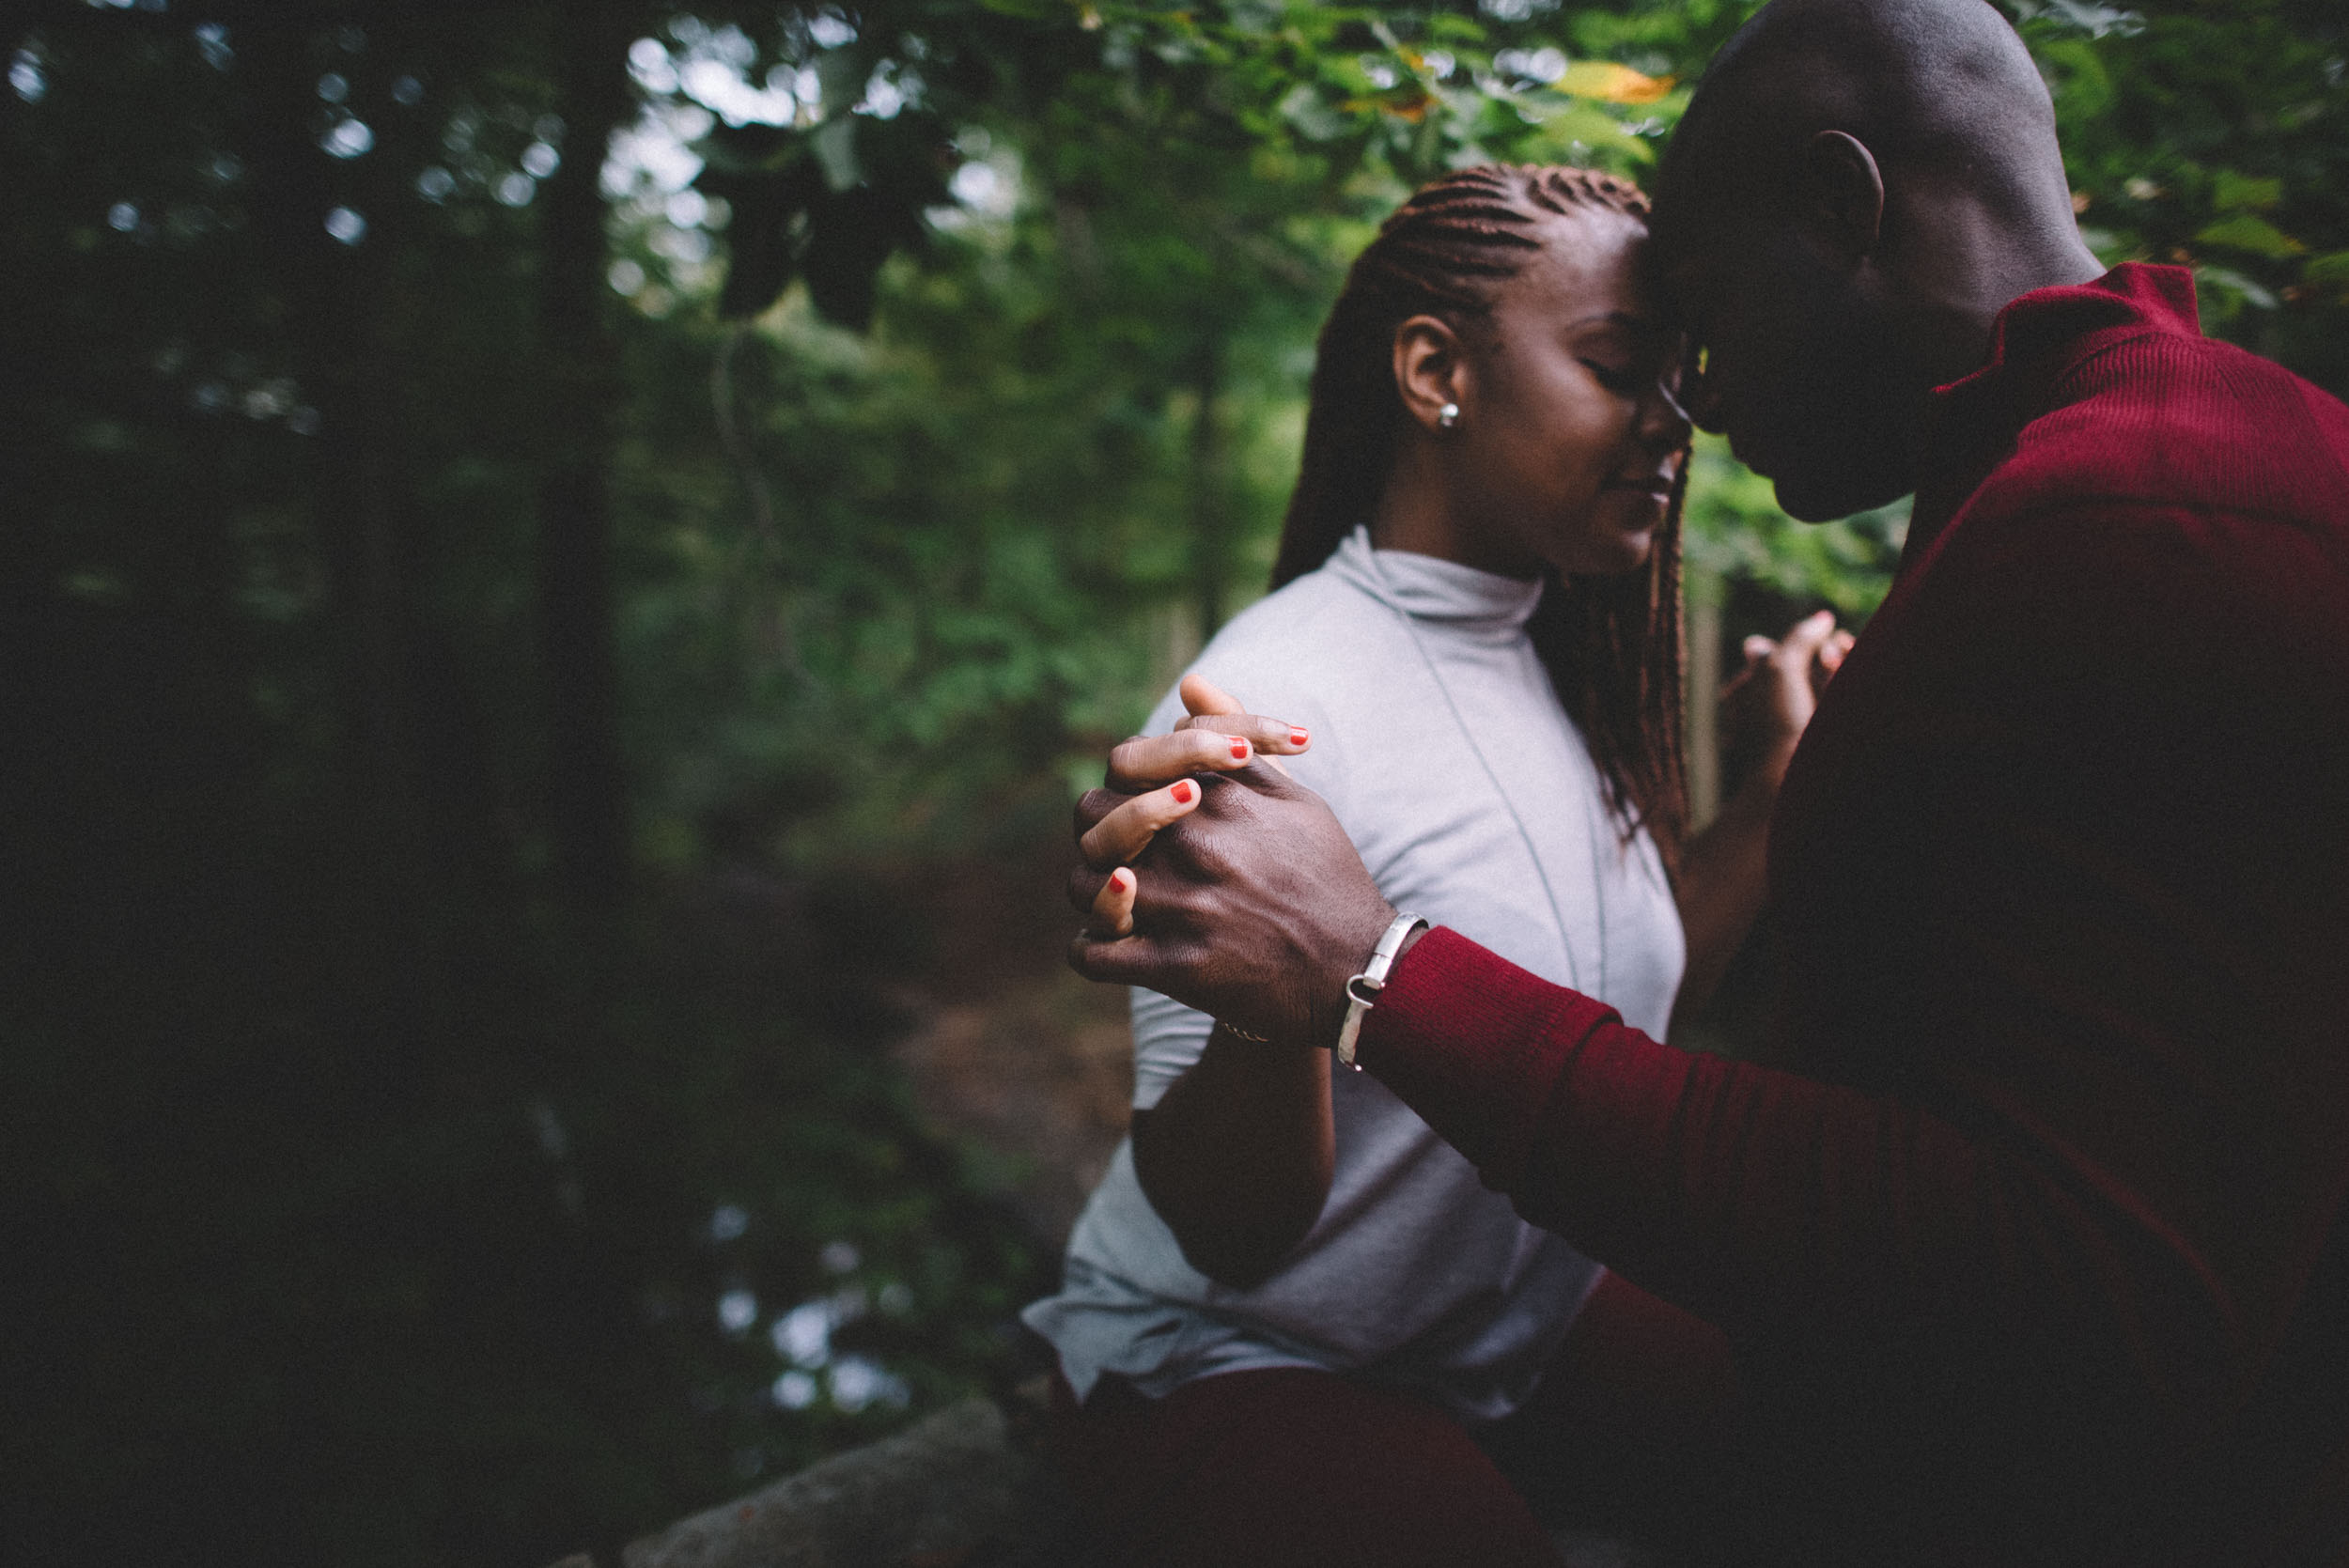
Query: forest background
point(563, 565)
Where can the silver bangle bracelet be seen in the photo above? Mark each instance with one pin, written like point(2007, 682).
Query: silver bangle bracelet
point(1362, 991)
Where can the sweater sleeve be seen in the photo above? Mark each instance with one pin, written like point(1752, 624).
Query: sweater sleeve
point(1758, 1197)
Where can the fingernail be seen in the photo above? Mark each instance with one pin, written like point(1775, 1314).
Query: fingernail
point(1239, 749)
point(1120, 878)
point(1184, 791)
point(1297, 738)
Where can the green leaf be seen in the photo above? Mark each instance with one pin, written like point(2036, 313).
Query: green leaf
point(1314, 118)
point(2327, 270)
point(2231, 192)
point(769, 196)
point(2239, 289)
point(2244, 232)
point(2076, 77)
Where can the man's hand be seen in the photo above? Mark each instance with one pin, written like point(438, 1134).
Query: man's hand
point(1151, 773)
point(1256, 908)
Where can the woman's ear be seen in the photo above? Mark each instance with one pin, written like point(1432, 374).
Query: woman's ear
point(1430, 371)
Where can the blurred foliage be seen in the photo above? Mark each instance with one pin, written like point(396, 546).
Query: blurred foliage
point(895, 396)
point(2216, 136)
point(1736, 535)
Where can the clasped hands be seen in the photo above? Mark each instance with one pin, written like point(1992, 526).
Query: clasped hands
point(1212, 875)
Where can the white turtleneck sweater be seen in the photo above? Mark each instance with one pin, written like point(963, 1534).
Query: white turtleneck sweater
point(1439, 741)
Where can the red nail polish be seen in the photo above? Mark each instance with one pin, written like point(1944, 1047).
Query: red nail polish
point(1239, 750)
point(1297, 738)
point(1183, 792)
point(1122, 878)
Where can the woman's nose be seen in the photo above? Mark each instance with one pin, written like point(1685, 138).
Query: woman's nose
point(1664, 424)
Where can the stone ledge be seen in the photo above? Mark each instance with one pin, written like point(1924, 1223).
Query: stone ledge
point(957, 1489)
point(962, 1488)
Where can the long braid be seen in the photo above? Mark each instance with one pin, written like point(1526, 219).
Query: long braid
point(1612, 645)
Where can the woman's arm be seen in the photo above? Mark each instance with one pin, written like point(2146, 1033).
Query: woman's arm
point(1721, 881)
point(1721, 878)
point(1236, 1156)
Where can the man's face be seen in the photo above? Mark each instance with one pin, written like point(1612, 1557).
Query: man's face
point(1791, 361)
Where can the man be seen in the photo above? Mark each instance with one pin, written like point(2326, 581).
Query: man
point(2034, 1252)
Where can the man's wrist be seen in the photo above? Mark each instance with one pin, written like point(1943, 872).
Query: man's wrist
point(1350, 946)
point(1362, 990)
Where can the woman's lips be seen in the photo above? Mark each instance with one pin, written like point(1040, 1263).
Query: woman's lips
point(1658, 487)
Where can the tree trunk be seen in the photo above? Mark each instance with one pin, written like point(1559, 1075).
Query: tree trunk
point(1211, 529)
point(338, 303)
point(586, 792)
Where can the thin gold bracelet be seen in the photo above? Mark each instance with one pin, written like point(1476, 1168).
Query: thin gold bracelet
point(1230, 1028)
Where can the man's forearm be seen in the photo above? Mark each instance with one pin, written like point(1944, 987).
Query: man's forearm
point(1759, 1198)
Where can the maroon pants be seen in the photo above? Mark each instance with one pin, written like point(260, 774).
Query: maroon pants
point(1295, 1468)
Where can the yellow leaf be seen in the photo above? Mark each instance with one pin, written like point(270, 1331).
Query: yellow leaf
point(1407, 102)
point(1611, 83)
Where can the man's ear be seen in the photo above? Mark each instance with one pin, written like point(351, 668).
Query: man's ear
point(1430, 371)
point(1842, 194)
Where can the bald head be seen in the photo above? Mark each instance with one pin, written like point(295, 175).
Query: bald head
point(1939, 91)
point(1856, 189)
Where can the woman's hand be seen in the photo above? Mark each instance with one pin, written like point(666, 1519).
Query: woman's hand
point(1766, 706)
point(1155, 771)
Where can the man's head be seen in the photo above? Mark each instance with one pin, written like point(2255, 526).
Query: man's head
point(1856, 189)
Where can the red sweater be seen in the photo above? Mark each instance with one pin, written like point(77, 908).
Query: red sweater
point(2033, 1242)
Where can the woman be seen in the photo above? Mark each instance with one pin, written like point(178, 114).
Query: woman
point(1293, 1325)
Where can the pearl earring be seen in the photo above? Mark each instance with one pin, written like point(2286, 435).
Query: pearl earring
point(1448, 416)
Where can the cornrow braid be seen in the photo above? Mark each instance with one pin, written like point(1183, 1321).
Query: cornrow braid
point(1612, 645)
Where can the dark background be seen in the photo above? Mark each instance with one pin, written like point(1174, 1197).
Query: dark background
point(561, 568)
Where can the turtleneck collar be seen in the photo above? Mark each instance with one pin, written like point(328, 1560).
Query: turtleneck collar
point(1476, 603)
point(2034, 343)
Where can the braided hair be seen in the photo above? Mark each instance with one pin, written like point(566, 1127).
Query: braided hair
point(1612, 644)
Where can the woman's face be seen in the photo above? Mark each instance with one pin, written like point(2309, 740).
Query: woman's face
point(1569, 438)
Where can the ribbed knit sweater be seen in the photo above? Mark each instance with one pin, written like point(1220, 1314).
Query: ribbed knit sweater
point(2030, 1237)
